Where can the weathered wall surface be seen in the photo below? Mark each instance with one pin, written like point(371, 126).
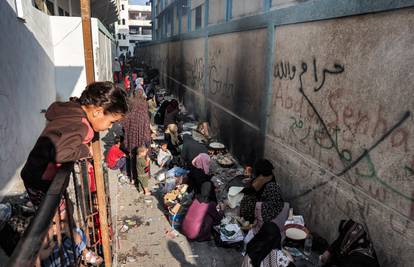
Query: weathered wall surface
point(235, 87)
point(342, 122)
point(339, 125)
point(41, 61)
point(69, 59)
point(70, 77)
point(26, 85)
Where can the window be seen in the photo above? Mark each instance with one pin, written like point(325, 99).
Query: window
point(61, 12)
point(146, 15)
point(198, 16)
point(184, 6)
point(123, 36)
point(119, 36)
point(146, 31)
point(66, 14)
point(122, 7)
point(123, 21)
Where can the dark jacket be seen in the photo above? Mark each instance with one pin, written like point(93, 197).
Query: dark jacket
point(62, 140)
point(170, 117)
point(196, 178)
point(191, 149)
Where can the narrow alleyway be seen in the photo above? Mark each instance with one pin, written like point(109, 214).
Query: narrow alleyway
point(147, 243)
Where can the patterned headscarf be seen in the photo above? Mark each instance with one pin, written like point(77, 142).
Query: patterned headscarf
point(137, 125)
point(202, 161)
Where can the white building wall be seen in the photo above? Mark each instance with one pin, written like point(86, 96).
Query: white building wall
point(69, 56)
point(70, 70)
point(27, 85)
point(42, 61)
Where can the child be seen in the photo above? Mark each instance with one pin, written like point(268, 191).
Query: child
point(116, 158)
point(143, 169)
point(71, 126)
point(164, 156)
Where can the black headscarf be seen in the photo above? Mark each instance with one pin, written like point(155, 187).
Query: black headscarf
point(262, 167)
point(267, 239)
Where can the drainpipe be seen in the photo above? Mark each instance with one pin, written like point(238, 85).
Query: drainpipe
point(96, 146)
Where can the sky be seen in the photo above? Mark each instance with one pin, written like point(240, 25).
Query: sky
point(137, 2)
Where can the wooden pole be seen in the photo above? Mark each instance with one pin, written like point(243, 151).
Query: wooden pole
point(96, 146)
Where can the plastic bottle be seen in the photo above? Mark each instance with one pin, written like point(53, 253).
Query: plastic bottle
point(307, 249)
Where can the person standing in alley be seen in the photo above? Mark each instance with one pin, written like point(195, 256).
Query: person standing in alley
point(137, 130)
point(143, 169)
point(116, 68)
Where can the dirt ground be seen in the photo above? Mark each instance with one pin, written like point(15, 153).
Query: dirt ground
point(146, 243)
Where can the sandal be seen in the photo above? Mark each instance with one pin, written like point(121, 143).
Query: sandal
point(92, 258)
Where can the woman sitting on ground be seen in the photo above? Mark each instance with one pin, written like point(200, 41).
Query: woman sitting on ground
point(202, 133)
point(265, 192)
point(173, 139)
point(199, 178)
point(265, 249)
point(191, 149)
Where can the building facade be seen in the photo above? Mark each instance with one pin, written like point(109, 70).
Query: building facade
point(133, 26)
point(104, 10)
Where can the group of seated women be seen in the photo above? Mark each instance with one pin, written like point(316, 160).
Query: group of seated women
point(261, 205)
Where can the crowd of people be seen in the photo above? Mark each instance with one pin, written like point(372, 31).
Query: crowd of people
point(150, 132)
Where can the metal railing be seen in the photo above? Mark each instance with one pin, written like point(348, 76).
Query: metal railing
point(50, 234)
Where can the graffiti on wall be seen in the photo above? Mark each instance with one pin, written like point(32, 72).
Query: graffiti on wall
point(336, 126)
point(194, 73)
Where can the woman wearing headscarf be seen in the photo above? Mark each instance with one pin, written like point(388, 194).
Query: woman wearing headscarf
point(265, 249)
point(172, 138)
point(171, 113)
point(199, 178)
point(137, 128)
point(263, 191)
point(202, 133)
point(191, 149)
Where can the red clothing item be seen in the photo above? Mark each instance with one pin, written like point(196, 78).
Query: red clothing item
point(127, 83)
point(114, 154)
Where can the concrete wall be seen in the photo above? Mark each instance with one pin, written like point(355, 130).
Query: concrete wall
point(42, 61)
point(69, 56)
point(355, 74)
point(70, 66)
point(329, 102)
point(26, 85)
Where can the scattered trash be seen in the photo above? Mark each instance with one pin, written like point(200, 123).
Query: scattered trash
point(133, 221)
point(142, 254)
point(171, 234)
point(124, 229)
point(148, 221)
point(131, 259)
point(122, 179)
